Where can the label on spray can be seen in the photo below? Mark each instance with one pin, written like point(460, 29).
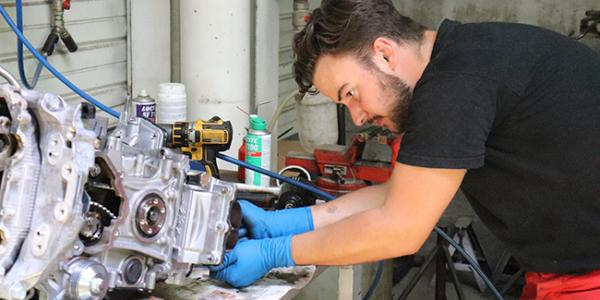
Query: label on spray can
point(258, 151)
point(145, 106)
point(146, 111)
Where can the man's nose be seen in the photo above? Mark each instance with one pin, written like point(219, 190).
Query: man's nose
point(359, 116)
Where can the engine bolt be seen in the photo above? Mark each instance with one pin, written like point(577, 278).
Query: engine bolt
point(97, 285)
point(222, 227)
point(211, 258)
point(95, 170)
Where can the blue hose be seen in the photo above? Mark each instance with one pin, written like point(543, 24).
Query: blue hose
point(329, 197)
point(232, 160)
point(471, 261)
point(52, 70)
point(19, 8)
point(38, 69)
point(308, 187)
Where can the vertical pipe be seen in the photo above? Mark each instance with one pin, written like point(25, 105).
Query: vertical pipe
point(216, 61)
point(58, 13)
point(266, 62)
point(253, 24)
point(341, 122)
point(150, 49)
point(301, 10)
point(175, 42)
point(129, 61)
point(300, 13)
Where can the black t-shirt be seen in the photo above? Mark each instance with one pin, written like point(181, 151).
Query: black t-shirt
point(519, 108)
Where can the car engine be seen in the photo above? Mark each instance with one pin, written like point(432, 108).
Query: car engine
point(85, 210)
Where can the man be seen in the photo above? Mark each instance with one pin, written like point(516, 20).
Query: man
point(509, 113)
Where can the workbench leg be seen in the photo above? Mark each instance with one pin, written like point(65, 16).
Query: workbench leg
point(349, 282)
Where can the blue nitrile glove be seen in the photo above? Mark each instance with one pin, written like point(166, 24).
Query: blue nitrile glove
point(250, 260)
point(259, 224)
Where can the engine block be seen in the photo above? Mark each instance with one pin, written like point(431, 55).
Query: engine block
point(85, 210)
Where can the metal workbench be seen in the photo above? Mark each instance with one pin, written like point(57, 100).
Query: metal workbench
point(282, 283)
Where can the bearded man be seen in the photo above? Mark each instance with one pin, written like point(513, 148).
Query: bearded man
point(508, 113)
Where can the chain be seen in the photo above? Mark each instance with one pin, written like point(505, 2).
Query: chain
point(102, 207)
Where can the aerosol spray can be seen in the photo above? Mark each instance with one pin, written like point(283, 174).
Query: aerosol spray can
point(258, 151)
point(144, 106)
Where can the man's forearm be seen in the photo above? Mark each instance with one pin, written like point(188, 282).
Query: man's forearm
point(366, 236)
point(396, 226)
point(349, 204)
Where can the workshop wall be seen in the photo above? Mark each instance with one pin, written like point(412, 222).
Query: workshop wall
point(99, 66)
point(560, 16)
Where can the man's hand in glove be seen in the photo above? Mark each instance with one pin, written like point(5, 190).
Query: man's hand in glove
point(259, 224)
point(250, 260)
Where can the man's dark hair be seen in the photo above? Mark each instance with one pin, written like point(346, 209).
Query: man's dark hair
point(348, 26)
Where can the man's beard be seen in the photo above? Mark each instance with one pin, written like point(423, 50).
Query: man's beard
point(399, 93)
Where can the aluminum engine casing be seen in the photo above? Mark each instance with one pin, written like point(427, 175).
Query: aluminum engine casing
point(83, 211)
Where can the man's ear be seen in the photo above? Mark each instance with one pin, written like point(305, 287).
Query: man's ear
point(384, 53)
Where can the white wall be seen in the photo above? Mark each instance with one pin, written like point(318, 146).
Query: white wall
point(99, 67)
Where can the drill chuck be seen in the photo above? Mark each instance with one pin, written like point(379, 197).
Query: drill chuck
point(201, 140)
point(179, 134)
point(215, 133)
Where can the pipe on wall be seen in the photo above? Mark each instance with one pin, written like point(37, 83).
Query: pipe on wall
point(266, 64)
point(216, 61)
point(149, 45)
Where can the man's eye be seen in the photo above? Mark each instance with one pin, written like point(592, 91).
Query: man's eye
point(349, 94)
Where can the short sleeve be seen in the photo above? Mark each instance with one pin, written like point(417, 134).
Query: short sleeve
point(450, 117)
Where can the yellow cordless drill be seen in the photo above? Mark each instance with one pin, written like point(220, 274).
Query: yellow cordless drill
point(201, 140)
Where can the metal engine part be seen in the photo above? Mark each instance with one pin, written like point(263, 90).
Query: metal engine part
point(84, 211)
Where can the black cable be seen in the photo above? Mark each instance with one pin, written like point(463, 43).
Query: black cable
point(284, 133)
point(587, 30)
point(341, 122)
point(375, 281)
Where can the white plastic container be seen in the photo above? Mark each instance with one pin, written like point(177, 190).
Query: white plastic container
point(171, 103)
point(317, 122)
